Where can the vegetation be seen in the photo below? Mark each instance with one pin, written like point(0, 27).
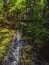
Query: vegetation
point(35, 13)
point(5, 40)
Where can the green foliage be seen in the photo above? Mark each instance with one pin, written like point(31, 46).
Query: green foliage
point(37, 30)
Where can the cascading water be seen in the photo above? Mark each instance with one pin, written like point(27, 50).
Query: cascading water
point(14, 51)
point(17, 48)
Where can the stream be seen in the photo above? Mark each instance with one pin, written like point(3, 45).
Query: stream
point(13, 56)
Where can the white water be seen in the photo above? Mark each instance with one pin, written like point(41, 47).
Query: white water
point(18, 47)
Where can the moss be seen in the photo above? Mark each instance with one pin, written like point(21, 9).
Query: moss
point(27, 55)
point(5, 38)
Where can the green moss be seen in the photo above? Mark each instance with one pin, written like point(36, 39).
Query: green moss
point(5, 38)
